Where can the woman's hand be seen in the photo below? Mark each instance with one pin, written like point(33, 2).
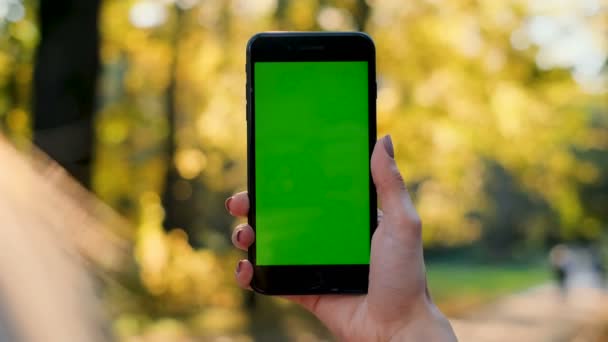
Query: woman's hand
point(398, 305)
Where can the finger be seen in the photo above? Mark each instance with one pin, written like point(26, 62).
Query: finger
point(238, 204)
point(380, 213)
point(243, 236)
point(395, 200)
point(244, 274)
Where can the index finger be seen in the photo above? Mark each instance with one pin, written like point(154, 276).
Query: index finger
point(238, 204)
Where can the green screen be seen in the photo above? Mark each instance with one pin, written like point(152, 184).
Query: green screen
point(311, 163)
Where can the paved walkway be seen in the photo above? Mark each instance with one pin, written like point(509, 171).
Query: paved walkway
point(50, 231)
point(543, 313)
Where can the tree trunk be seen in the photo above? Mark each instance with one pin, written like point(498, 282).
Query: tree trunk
point(177, 209)
point(361, 15)
point(65, 78)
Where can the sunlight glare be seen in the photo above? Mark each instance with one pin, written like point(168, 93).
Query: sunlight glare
point(334, 19)
point(254, 9)
point(147, 14)
point(190, 162)
point(11, 10)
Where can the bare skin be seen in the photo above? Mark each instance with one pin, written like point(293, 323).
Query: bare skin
point(398, 306)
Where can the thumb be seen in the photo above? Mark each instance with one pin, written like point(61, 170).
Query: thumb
point(392, 192)
point(397, 273)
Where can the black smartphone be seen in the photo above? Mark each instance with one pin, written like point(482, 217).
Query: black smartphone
point(311, 129)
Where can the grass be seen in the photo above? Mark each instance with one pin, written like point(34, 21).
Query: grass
point(460, 287)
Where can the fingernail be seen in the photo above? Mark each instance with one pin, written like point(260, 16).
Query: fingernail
point(238, 235)
point(388, 146)
point(238, 267)
point(227, 204)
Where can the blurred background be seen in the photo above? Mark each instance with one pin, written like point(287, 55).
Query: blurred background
point(498, 111)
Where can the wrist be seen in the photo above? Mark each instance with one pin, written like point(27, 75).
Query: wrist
point(429, 325)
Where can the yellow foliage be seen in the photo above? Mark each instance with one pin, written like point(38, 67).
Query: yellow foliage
point(459, 85)
point(18, 120)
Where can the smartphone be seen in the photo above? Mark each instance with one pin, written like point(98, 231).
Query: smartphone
point(311, 129)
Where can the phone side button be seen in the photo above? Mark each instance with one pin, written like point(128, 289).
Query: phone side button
point(376, 89)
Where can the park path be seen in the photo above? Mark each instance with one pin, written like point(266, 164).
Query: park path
point(54, 238)
point(542, 313)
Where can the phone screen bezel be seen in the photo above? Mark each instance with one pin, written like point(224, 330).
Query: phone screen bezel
point(297, 47)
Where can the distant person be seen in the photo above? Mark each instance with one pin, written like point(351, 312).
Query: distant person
point(598, 265)
point(398, 306)
point(560, 258)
